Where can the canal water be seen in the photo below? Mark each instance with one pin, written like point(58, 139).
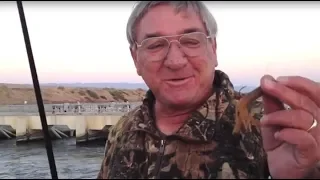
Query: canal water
point(30, 160)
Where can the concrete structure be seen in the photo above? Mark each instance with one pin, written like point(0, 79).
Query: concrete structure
point(7, 128)
point(84, 127)
point(94, 127)
point(85, 121)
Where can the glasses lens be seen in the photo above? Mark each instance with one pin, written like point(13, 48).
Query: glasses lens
point(154, 48)
point(193, 44)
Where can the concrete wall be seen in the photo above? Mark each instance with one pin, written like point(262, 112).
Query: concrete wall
point(11, 121)
point(80, 123)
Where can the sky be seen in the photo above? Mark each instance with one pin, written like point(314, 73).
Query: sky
point(86, 41)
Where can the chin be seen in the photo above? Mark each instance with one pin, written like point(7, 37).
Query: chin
point(179, 98)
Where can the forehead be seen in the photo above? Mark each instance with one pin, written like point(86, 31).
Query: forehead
point(164, 20)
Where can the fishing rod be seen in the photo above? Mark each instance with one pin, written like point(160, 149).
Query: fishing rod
point(37, 91)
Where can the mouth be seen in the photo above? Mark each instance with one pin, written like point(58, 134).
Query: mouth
point(179, 81)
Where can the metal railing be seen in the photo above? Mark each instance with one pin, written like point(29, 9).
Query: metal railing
point(71, 108)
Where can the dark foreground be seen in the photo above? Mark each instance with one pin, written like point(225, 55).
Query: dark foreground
point(30, 160)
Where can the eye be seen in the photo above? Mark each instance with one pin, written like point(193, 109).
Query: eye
point(189, 42)
point(155, 44)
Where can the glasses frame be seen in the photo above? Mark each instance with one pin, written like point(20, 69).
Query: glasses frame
point(173, 40)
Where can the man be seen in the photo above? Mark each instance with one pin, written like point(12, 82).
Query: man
point(184, 127)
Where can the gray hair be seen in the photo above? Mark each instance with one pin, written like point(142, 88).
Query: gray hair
point(142, 7)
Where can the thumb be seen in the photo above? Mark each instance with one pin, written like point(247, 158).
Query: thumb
point(270, 105)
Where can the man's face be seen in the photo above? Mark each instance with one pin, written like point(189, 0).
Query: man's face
point(177, 78)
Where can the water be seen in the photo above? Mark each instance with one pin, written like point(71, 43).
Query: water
point(30, 160)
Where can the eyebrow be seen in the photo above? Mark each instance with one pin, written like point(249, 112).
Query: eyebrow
point(157, 34)
point(191, 30)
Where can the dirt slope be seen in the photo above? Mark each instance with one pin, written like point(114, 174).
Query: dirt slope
point(17, 94)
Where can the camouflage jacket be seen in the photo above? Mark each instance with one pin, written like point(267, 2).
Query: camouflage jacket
point(204, 147)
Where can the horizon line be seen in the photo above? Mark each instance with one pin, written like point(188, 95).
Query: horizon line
point(234, 84)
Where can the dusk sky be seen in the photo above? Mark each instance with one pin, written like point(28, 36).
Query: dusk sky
point(86, 41)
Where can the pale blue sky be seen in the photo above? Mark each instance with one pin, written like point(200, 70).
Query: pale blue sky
point(86, 41)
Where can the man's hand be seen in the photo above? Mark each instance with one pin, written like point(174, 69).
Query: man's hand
point(293, 150)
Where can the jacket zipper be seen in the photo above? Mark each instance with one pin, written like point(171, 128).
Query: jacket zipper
point(159, 160)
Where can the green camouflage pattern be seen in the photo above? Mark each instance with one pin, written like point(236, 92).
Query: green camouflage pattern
point(203, 148)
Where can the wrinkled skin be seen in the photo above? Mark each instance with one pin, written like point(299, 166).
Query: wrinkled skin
point(157, 75)
point(203, 148)
point(293, 152)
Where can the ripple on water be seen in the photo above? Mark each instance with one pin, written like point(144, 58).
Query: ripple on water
point(30, 160)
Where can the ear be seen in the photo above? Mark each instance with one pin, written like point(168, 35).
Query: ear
point(214, 50)
point(133, 52)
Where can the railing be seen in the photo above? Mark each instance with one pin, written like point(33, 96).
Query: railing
point(71, 108)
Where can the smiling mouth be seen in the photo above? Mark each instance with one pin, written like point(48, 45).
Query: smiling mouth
point(178, 81)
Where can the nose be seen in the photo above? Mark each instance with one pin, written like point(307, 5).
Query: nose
point(175, 59)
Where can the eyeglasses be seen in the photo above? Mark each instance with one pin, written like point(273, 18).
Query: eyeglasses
point(156, 48)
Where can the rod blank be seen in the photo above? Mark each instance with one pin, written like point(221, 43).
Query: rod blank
point(37, 91)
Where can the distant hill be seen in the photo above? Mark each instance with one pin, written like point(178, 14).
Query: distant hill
point(87, 85)
point(245, 89)
point(82, 92)
point(18, 93)
point(107, 85)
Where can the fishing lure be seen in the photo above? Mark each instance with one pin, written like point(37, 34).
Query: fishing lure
point(243, 120)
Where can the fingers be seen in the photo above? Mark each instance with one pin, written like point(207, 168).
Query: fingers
point(273, 122)
point(297, 119)
point(289, 96)
point(301, 84)
point(268, 140)
point(270, 104)
point(303, 140)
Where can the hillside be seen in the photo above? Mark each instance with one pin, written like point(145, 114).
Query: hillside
point(72, 93)
point(17, 94)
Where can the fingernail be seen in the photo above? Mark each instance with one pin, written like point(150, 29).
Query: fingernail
point(282, 79)
point(269, 83)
